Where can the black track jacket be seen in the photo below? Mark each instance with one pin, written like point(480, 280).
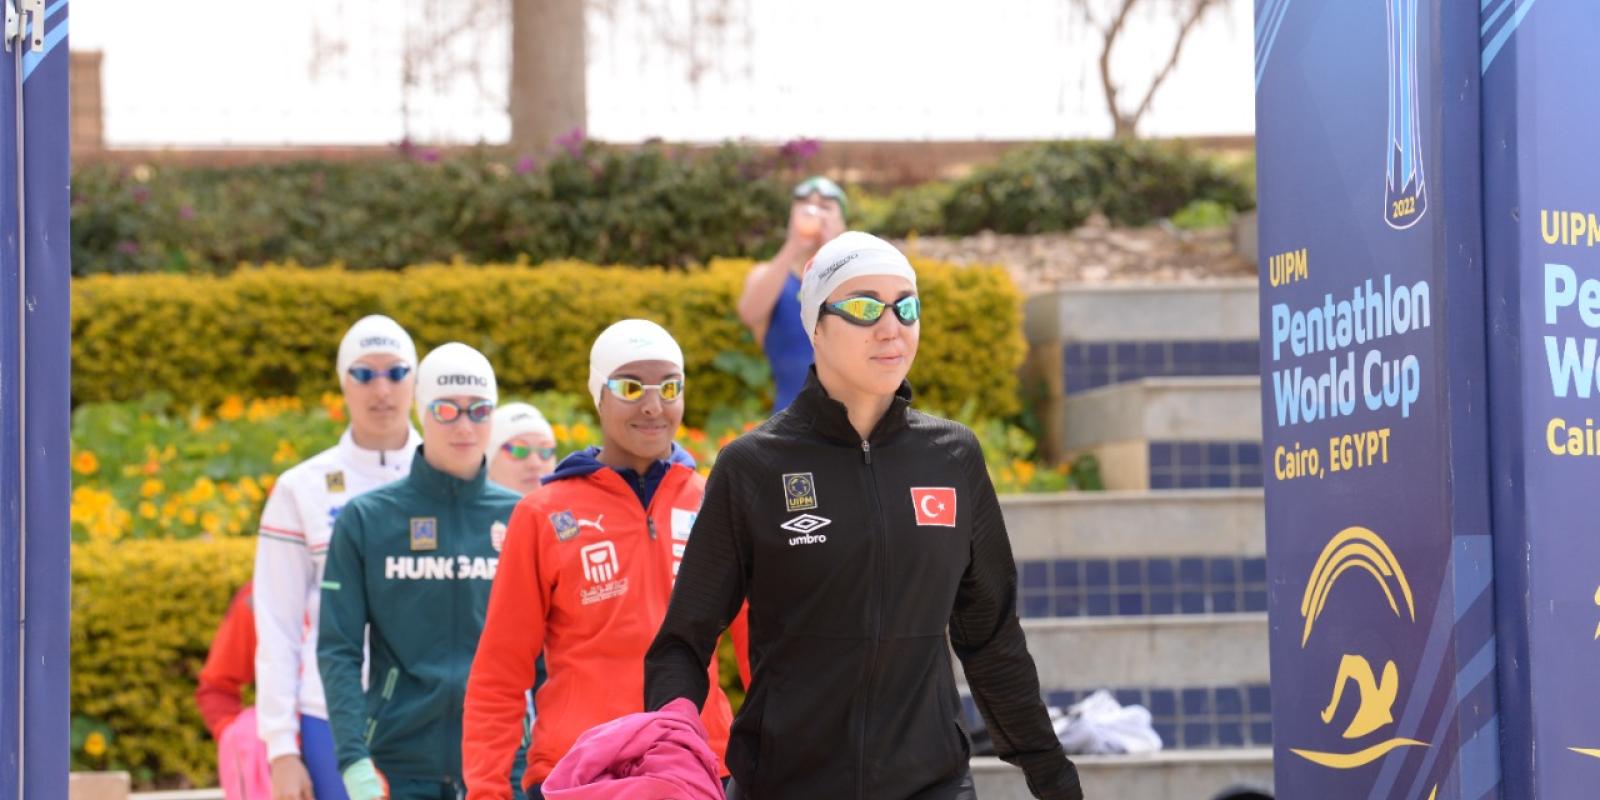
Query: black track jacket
point(856, 558)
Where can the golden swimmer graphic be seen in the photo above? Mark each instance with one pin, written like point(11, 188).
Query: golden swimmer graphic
point(1359, 549)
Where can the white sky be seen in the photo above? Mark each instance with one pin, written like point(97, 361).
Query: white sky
point(204, 72)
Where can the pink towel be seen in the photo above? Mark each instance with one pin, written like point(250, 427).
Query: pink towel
point(242, 767)
point(650, 756)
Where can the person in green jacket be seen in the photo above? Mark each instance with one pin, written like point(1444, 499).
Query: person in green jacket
point(411, 565)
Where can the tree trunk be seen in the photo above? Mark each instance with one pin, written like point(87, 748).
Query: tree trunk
point(548, 87)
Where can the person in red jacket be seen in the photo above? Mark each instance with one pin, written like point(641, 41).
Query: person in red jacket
point(231, 665)
point(586, 572)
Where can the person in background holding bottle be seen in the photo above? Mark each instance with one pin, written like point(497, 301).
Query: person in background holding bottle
point(770, 306)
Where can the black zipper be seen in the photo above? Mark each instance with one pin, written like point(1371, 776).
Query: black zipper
point(877, 631)
point(457, 697)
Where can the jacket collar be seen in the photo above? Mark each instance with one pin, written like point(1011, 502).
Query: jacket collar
point(432, 483)
point(587, 461)
point(376, 460)
point(829, 417)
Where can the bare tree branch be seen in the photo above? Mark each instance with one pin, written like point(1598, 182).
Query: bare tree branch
point(1195, 13)
point(1110, 39)
point(1125, 124)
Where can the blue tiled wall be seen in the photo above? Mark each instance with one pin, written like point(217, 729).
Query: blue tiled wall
point(1135, 587)
point(1089, 365)
point(1188, 718)
point(1205, 465)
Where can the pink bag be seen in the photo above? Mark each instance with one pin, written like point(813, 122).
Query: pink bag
point(242, 760)
point(647, 756)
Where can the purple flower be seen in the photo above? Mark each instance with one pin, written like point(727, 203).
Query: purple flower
point(186, 212)
point(406, 147)
point(572, 141)
point(141, 194)
point(797, 152)
point(526, 164)
point(128, 248)
point(430, 155)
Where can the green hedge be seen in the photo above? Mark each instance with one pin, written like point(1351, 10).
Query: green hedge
point(269, 332)
point(1057, 185)
point(650, 205)
point(143, 614)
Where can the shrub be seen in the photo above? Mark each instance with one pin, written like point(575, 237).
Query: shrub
point(273, 331)
point(143, 614)
point(650, 205)
point(1056, 186)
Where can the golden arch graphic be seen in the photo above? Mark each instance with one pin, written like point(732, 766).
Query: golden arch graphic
point(1590, 751)
point(1357, 548)
point(1353, 548)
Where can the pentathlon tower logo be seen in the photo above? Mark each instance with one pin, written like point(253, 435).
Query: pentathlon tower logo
point(1405, 195)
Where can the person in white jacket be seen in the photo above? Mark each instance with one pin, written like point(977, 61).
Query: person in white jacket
point(375, 366)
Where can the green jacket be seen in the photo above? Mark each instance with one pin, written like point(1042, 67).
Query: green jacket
point(414, 560)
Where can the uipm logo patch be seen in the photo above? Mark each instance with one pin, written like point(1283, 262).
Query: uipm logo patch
point(799, 492)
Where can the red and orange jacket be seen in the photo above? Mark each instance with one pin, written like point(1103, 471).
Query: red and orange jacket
point(586, 572)
point(230, 665)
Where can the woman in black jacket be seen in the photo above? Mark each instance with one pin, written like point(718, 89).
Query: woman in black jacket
point(861, 532)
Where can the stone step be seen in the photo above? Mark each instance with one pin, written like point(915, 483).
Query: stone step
point(1211, 311)
point(1169, 775)
point(1169, 433)
point(1163, 651)
point(1113, 524)
point(1117, 554)
point(1198, 409)
point(1083, 338)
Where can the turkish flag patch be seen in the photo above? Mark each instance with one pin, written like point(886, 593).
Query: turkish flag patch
point(935, 506)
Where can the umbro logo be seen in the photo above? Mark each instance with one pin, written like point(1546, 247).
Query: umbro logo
point(807, 525)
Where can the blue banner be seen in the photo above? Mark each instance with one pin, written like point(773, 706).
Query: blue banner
point(1373, 400)
point(1542, 236)
point(35, 337)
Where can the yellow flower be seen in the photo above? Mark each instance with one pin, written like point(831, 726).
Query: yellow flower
point(95, 744)
point(85, 463)
point(561, 432)
point(231, 409)
point(580, 432)
point(147, 509)
point(251, 489)
point(230, 495)
point(202, 491)
point(268, 481)
point(202, 424)
point(187, 516)
point(333, 404)
point(234, 528)
point(1024, 470)
point(210, 522)
point(224, 446)
point(285, 454)
point(150, 488)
